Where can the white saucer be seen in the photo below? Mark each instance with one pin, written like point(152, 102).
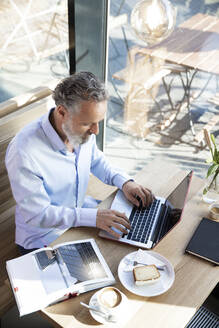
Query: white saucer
point(161, 286)
point(99, 318)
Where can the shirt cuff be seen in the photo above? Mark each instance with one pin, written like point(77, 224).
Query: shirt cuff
point(88, 217)
point(119, 180)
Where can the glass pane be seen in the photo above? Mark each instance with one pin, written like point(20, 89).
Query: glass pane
point(91, 36)
point(91, 41)
point(34, 44)
point(145, 119)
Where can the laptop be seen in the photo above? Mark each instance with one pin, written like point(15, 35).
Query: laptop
point(149, 225)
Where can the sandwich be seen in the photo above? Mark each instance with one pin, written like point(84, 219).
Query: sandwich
point(145, 274)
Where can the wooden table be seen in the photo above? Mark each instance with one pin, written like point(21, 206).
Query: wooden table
point(194, 45)
point(195, 278)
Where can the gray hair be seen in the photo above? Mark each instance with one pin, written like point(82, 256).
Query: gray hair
point(79, 87)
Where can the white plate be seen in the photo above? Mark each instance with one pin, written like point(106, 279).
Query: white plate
point(98, 317)
point(157, 288)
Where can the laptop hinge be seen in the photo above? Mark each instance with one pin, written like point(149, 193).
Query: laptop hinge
point(160, 222)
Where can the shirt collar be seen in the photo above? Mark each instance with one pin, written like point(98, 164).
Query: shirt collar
point(53, 136)
point(51, 133)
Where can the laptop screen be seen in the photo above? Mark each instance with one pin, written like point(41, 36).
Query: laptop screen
point(174, 206)
point(178, 195)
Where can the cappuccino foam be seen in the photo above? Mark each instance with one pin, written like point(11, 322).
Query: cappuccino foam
point(110, 298)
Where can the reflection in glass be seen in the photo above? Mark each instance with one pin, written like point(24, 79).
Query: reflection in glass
point(81, 261)
point(34, 45)
point(153, 20)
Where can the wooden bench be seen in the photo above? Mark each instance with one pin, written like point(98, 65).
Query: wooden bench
point(14, 115)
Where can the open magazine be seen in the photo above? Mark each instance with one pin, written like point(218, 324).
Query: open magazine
point(49, 275)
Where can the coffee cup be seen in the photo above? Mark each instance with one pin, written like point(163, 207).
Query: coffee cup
point(111, 300)
point(214, 211)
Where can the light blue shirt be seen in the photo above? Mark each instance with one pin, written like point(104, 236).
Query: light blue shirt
point(49, 183)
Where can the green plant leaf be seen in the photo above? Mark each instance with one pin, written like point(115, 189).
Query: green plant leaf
point(205, 190)
point(212, 169)
point(209, 160)
point(218, 157)
point(215, 155)
point(213, 140)
point(214, 152)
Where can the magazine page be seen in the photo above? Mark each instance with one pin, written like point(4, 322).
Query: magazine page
point(47, 275)
point(36, 280)
point(82, 263)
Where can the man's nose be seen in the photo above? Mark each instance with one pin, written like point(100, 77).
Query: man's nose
point(95, 128)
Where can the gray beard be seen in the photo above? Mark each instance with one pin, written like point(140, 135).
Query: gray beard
point(73, 139)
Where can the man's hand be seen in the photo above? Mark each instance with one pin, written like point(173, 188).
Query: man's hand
point(106, 219)
point(132, 190)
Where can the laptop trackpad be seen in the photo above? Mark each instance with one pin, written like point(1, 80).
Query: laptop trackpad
point(121, 204)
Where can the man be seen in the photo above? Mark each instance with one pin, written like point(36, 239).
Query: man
point(49, 162)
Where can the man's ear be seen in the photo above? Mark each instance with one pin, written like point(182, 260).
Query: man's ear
point(62, 111)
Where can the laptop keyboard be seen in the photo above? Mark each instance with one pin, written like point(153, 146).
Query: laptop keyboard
point(142, 220)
